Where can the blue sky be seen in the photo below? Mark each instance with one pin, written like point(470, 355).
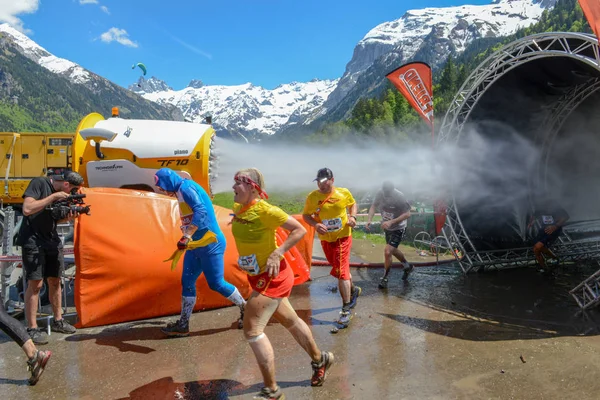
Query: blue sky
point(226, 42)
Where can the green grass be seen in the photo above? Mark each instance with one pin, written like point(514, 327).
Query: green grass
point(372, 237)
point(291, 203)
point(294, 204)
point(224, 200)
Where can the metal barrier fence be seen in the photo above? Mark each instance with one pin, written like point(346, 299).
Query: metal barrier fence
point(10, 260)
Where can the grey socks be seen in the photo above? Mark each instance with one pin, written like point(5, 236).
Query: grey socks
point(187, 306)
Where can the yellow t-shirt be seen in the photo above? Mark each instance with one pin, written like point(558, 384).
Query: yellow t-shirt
point(333, 213)
point(254, 234)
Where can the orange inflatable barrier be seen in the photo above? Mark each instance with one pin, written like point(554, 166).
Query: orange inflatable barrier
point(119, 253)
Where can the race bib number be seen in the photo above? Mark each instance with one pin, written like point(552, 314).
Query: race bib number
point(547, 219)
point(249, 264)
point(334, 224)
point(386, 216)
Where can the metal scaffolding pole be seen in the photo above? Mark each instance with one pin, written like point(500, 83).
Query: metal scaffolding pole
point(7, 266)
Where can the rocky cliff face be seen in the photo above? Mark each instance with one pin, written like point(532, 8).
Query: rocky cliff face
point(431, 34)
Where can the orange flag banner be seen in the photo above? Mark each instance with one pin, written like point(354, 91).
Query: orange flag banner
point(414, 81)
point(591, 9)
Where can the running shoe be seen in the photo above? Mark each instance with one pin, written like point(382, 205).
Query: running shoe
point(270, 394)
point(241, 319)
point(176, 329)
point(321, 369)
point(36, 365)
point(345, 318)
point(407, 272)
point(62, 326)
point(37, 335)
point(383, 283)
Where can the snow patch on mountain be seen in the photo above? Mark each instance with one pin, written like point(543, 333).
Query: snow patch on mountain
point(242, 109)
point(38, 54)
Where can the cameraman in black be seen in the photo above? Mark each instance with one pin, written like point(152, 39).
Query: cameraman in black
point(42, 248)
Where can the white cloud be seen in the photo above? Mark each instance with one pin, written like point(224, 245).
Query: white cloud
point(103, 8)
point(9, 9)
point(117, 35)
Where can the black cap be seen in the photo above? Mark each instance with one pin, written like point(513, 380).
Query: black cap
point(324, 174)
point(72, 177)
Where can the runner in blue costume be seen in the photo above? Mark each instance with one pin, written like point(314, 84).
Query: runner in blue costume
point(197, 218)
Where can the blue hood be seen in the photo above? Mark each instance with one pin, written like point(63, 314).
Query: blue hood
point(168, 180)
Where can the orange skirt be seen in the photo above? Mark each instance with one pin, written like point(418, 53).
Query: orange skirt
point(277, 287)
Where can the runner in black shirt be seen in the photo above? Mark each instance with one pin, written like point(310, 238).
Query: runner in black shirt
point(395, 211)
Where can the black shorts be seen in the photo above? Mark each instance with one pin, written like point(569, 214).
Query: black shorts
point(546, 239)
point(40, 262)
point(393, 238)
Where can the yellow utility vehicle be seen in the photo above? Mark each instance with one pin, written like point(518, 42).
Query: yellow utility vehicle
point(24, 156)
point(112, 152)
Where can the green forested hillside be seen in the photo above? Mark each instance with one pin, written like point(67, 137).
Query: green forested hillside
point(35, 99)
point(390, 116)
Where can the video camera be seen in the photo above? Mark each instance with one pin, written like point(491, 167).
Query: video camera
point(72, 204)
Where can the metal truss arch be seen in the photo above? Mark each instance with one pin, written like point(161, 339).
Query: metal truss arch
point(507, 58)
point(578, 46)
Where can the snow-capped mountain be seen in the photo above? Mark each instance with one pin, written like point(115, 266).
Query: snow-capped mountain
point(99, 94)
point(35, 52)
point(430, 33)
point(243, 110)
point(438, 32)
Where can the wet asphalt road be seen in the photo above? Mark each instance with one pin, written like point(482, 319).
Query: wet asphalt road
point(440, 336)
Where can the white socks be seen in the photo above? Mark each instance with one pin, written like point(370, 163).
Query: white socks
point(236, 298)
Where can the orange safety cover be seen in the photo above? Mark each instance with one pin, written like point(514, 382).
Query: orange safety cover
point(299, 256)
point(119, 253)
point(305, 246)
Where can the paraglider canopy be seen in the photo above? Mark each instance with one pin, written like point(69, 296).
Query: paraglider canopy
point(142, 67)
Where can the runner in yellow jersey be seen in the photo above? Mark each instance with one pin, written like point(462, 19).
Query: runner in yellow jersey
point(254, 225)
point(332, 211)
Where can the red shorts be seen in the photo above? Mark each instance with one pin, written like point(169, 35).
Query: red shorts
point(338, 255)
point(276, 288)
